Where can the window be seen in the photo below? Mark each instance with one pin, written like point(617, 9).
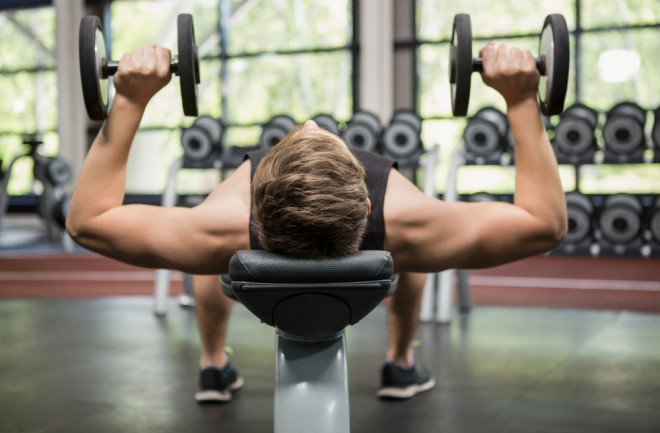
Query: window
point(29, 88)
point(257, 59)
point(599, 31)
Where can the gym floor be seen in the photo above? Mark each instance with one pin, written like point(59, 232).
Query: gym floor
point(79, 355)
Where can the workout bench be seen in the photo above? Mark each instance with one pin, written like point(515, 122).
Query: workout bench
point(310, 302)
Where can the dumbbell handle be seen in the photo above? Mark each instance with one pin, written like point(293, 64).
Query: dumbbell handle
point(109, 67)
point(478, 65)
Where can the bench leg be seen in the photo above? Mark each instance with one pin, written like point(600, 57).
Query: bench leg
point(311, 386)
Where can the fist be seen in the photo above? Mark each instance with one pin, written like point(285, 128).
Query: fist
point(510, 71)
point(142, 73)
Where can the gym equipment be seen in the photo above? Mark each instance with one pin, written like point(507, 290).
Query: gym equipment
point(275, 130)
point(580, 211)
point(52, 203)
point(574, 140)
point(623, 133)
point(654, 221)
point(327, 122)
point(310, 302)
point(486, 136)
point(363, 132)
point(655, 134)
point(95, 66)
point(202, 143)
point(620, 221)
point(552, 63)
point(402, 139)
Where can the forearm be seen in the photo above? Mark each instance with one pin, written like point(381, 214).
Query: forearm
point(103, 177)
point(538, 188)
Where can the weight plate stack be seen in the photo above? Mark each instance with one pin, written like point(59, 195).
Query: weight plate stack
point(363, 132)
point(623, 133)
point(575, 140)
point(620, 221)
point(275, 130)
point(402, 138)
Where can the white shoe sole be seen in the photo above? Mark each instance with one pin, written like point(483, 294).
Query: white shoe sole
point(407, 392)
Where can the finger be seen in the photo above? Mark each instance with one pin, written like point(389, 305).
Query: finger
point(163, 56)
point(487, 50)
point(148, 64)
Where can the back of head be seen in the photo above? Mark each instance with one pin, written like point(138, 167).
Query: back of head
point(309, 198)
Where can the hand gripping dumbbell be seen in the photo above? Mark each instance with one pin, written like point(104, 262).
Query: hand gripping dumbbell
point(623, 133)
point(552, 63)
point(575, 140)
point(363, 132)
point(402, 139)
point(275, 130)
point(95, 66)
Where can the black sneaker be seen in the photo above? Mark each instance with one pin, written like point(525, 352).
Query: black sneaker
point(216, 385)
point(403, 382)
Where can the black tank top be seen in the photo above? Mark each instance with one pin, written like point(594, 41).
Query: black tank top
point(377, 170)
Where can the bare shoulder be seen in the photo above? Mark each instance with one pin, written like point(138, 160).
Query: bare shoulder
point(421, 231)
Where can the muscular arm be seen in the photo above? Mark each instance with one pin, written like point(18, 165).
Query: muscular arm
point(430, 235)
point(198, 240)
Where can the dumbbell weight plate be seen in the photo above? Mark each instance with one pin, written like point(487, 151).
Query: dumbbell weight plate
point(554, 53)
point(654, 223)
point(212, 126)
point(460, 64)
point(271, 135)
point(283, 121)
point(620, 220)
point(360, 136)
point(573, 135)
point(481, 137)
point(496, 117)
point(327, 122)
point(579, 209)
point(188, 65)
point(622, 134)
point(369, 119)
point(196, 144)
point(401, 139)
point(92, 49)
point(58, 171)
point(410, 117)
point(629, 109)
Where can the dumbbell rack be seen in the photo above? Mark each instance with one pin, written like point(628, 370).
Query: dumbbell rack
point(644, 245)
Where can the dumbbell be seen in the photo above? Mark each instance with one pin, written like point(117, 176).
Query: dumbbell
point(655, 133)
point(95, 66)
point(574, 134)
point(621, 218)
point(363, 132)
point(402, 137)
point(552, 63)
point(580, 212)
point(486, 132)
point(654, 221)
point(202, 142)
point(327, 122)
point(275, 130)
point(623, 133)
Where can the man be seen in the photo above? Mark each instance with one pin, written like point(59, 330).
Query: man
point(423, 234)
